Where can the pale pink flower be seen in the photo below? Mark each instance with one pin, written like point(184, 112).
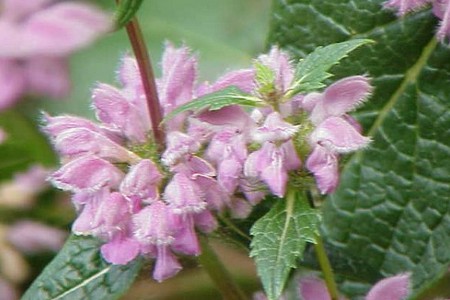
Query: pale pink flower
point(37, 37)
point(277, 155)
point(441, 9)
point(32, 237)
point(391, 288)
point(155, 228)
point(335, 132)
point(405, 6)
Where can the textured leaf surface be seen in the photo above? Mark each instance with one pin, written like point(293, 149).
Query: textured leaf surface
point(214, 101)
point(392, 209)
point(79, 272)
point(279, 239)
point(312, 71)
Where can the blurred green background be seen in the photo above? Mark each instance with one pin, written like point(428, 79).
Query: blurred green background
point(225, 35)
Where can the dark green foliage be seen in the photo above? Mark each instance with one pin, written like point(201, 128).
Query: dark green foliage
point(392, 208)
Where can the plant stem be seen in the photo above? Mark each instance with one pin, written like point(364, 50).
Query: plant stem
point(324, 262)
point(326, 268)
point(217, 272)
point(148, 79)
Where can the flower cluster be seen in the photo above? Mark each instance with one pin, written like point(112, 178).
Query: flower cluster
point(141, 202)
point(441, 9)
point(37, 37)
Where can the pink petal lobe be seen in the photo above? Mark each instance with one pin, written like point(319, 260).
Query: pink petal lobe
point(64, 27)
point(120, 250)
point(405, 6)
point(275, 129)
point(186, 240)
point(242, 79)
point(324, 165)
point(19, 9)
point(313, 288)
point(114, 109)
point(441, 9)
point(32, 237)
point(142, 181)
point(338, 135)
point(184, 195)
point(391, 288)
point(279, 61)
point(341, 97)
point(166, 265)
point(87, 173)
point(177, 82)
point(12, 79)
point(48, 76)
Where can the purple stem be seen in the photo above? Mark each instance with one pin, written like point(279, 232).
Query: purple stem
point(148, 79)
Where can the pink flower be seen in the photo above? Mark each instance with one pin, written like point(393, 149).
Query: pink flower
point(405, 6)
point(335, 132)
point(391, 288)
point(441, 9)
point(37, 38)
point(277, 156)
point(32, 237)
point(155, 228)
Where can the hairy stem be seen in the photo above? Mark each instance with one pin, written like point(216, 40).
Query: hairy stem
point(217, 272)
point(326, 268)
point(148, 79)
point(322, 257)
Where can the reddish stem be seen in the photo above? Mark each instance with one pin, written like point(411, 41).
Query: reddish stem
point(148, 79)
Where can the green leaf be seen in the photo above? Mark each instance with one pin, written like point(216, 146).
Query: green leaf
point(125, 11)
point(312, 71)
point(279, 239)
point(392, 209)
point(214, 101)
point(79, 272)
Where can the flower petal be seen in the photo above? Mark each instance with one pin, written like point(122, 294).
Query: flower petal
point(341, 97)
point(184, 195)
point(114, 109)
point(63, 28)
point(120, 250)
point(338, 135)
point(324, 165)
point(313, 288)
point(405, 6)
point(142, 181)
point(48, 76)
point(87, 173)
point(441, 9)
point(391, 288)
point(274, 129)
point(12, 80)
point(166, 265)
point(155, 224)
